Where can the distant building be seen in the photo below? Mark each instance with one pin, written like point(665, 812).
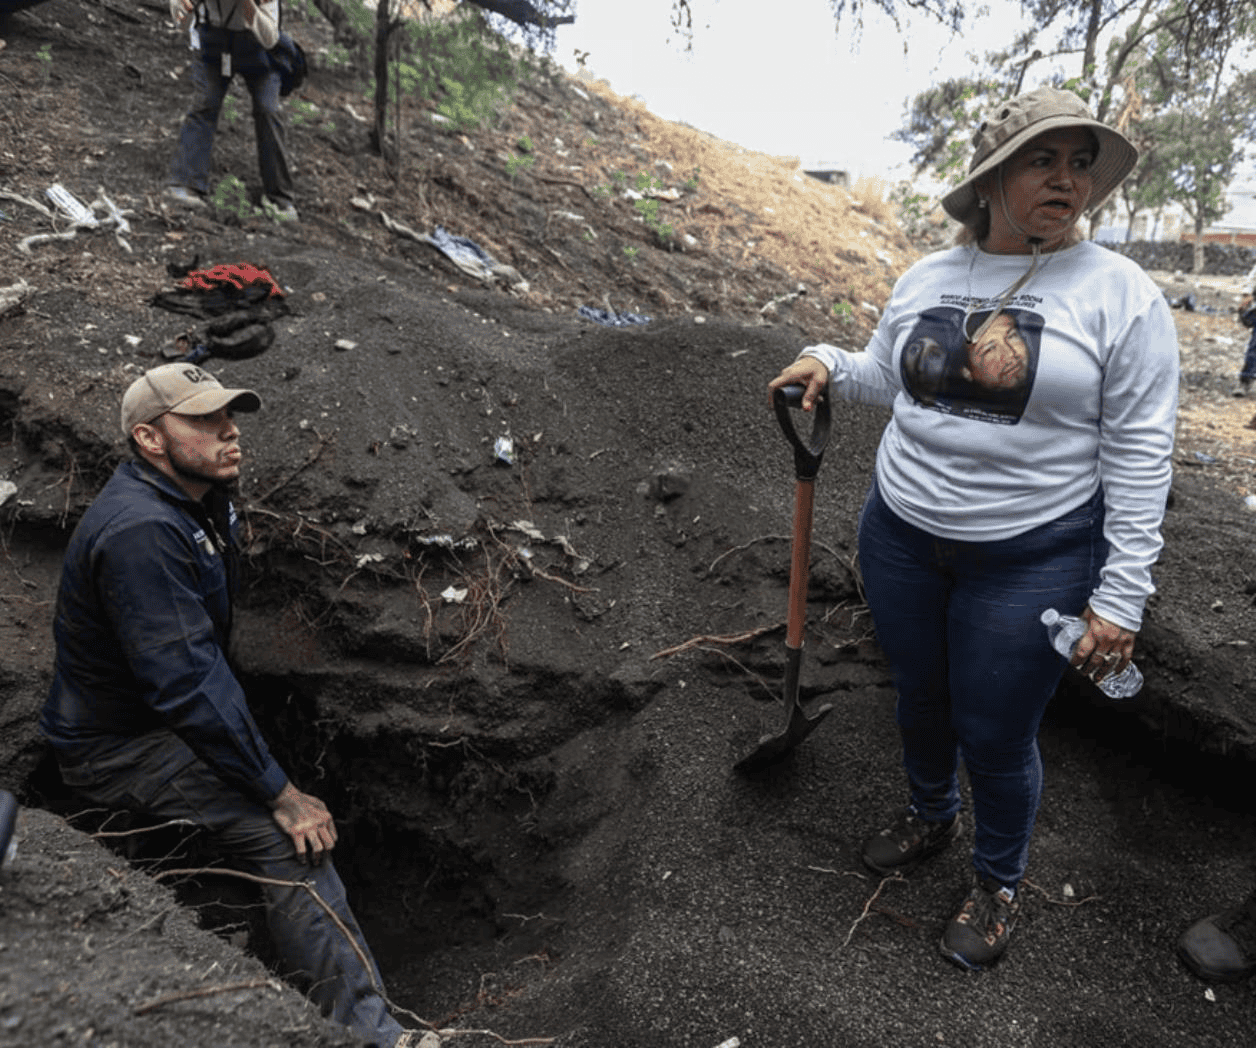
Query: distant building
point(830, 173)
point(1238, 225)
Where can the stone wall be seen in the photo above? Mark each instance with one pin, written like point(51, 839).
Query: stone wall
point(1179, 256)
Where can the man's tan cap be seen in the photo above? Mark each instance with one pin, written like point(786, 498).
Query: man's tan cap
point(184, 389)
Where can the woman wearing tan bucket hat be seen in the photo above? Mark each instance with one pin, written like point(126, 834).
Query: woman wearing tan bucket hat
point(1033, 378)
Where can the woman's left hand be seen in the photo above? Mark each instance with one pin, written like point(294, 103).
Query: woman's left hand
point(1105, 650)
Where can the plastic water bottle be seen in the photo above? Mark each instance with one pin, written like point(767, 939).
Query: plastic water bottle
point(1064, 631)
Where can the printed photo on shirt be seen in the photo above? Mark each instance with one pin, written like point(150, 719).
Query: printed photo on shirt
point(944, 371)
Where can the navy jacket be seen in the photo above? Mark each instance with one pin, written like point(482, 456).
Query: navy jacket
point(143, 616)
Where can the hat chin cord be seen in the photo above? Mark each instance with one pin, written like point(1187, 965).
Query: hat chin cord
point(1035, 244)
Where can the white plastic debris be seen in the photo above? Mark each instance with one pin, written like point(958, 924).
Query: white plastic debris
point(80, 216)
point(504, 450)
point(7, 490)
point(368, 558)
point(454, 595)
point(13, 296)
point(70, 206)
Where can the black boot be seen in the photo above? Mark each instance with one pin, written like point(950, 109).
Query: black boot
point(1222, 948)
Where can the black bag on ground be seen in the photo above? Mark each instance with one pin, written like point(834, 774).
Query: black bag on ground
point(287, 58)
point(1247, 312)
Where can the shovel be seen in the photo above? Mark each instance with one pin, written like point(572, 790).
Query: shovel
point(807, 455)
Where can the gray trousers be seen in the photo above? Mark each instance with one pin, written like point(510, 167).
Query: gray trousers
point(158, 775)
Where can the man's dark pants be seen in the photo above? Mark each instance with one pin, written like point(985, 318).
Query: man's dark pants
point(158, 775)
point(196, 137)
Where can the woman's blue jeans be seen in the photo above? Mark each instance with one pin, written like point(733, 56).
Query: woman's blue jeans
point(959, 625)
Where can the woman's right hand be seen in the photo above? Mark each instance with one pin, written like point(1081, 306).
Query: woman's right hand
point(807, 372)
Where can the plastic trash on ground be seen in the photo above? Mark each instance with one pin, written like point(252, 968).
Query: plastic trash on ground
point(609, 318)
point(70, 206)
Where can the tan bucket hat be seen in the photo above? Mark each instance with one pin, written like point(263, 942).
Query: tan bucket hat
point(182, 388)
point(1025, 117)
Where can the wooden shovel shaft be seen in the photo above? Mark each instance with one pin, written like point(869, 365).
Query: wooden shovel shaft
point(800, 565)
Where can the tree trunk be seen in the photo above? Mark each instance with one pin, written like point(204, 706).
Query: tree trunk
point(345, 33)
point(383, 31)
point(1198, 266)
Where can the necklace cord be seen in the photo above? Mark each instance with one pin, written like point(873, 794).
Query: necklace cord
point(1006, 297)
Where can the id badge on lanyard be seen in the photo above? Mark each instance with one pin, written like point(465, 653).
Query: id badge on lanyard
point(226, 64)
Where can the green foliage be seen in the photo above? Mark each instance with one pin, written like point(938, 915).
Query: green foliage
point(690, 185)
point(630, 252)
point(337, 57)
point(301, 112)
point(844, 312)
point(940, 123)
point(230, 197)
point(272, 212)
point(44, 57)
point(524, 145)
point(649, 211)
point(468, 71)
point(913, 209)
point(646, 182)
point(230, 109)
point(515, 164)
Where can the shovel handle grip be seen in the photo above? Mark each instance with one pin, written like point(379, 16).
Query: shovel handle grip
point(809, 452)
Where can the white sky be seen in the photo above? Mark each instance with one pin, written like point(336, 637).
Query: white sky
point(777, 76)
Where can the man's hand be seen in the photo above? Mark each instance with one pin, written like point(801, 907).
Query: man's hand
point(305, 819)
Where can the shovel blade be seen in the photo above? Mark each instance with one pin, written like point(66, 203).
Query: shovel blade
point(774, 748)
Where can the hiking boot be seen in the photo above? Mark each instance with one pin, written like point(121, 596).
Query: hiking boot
point(1222, 948)
point(281, 212)
point(979, 933)
point(1243, 388)
point(907, 843)
point(184, 197)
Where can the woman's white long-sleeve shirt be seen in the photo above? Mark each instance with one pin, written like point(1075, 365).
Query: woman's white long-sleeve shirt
point(1074, 387)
